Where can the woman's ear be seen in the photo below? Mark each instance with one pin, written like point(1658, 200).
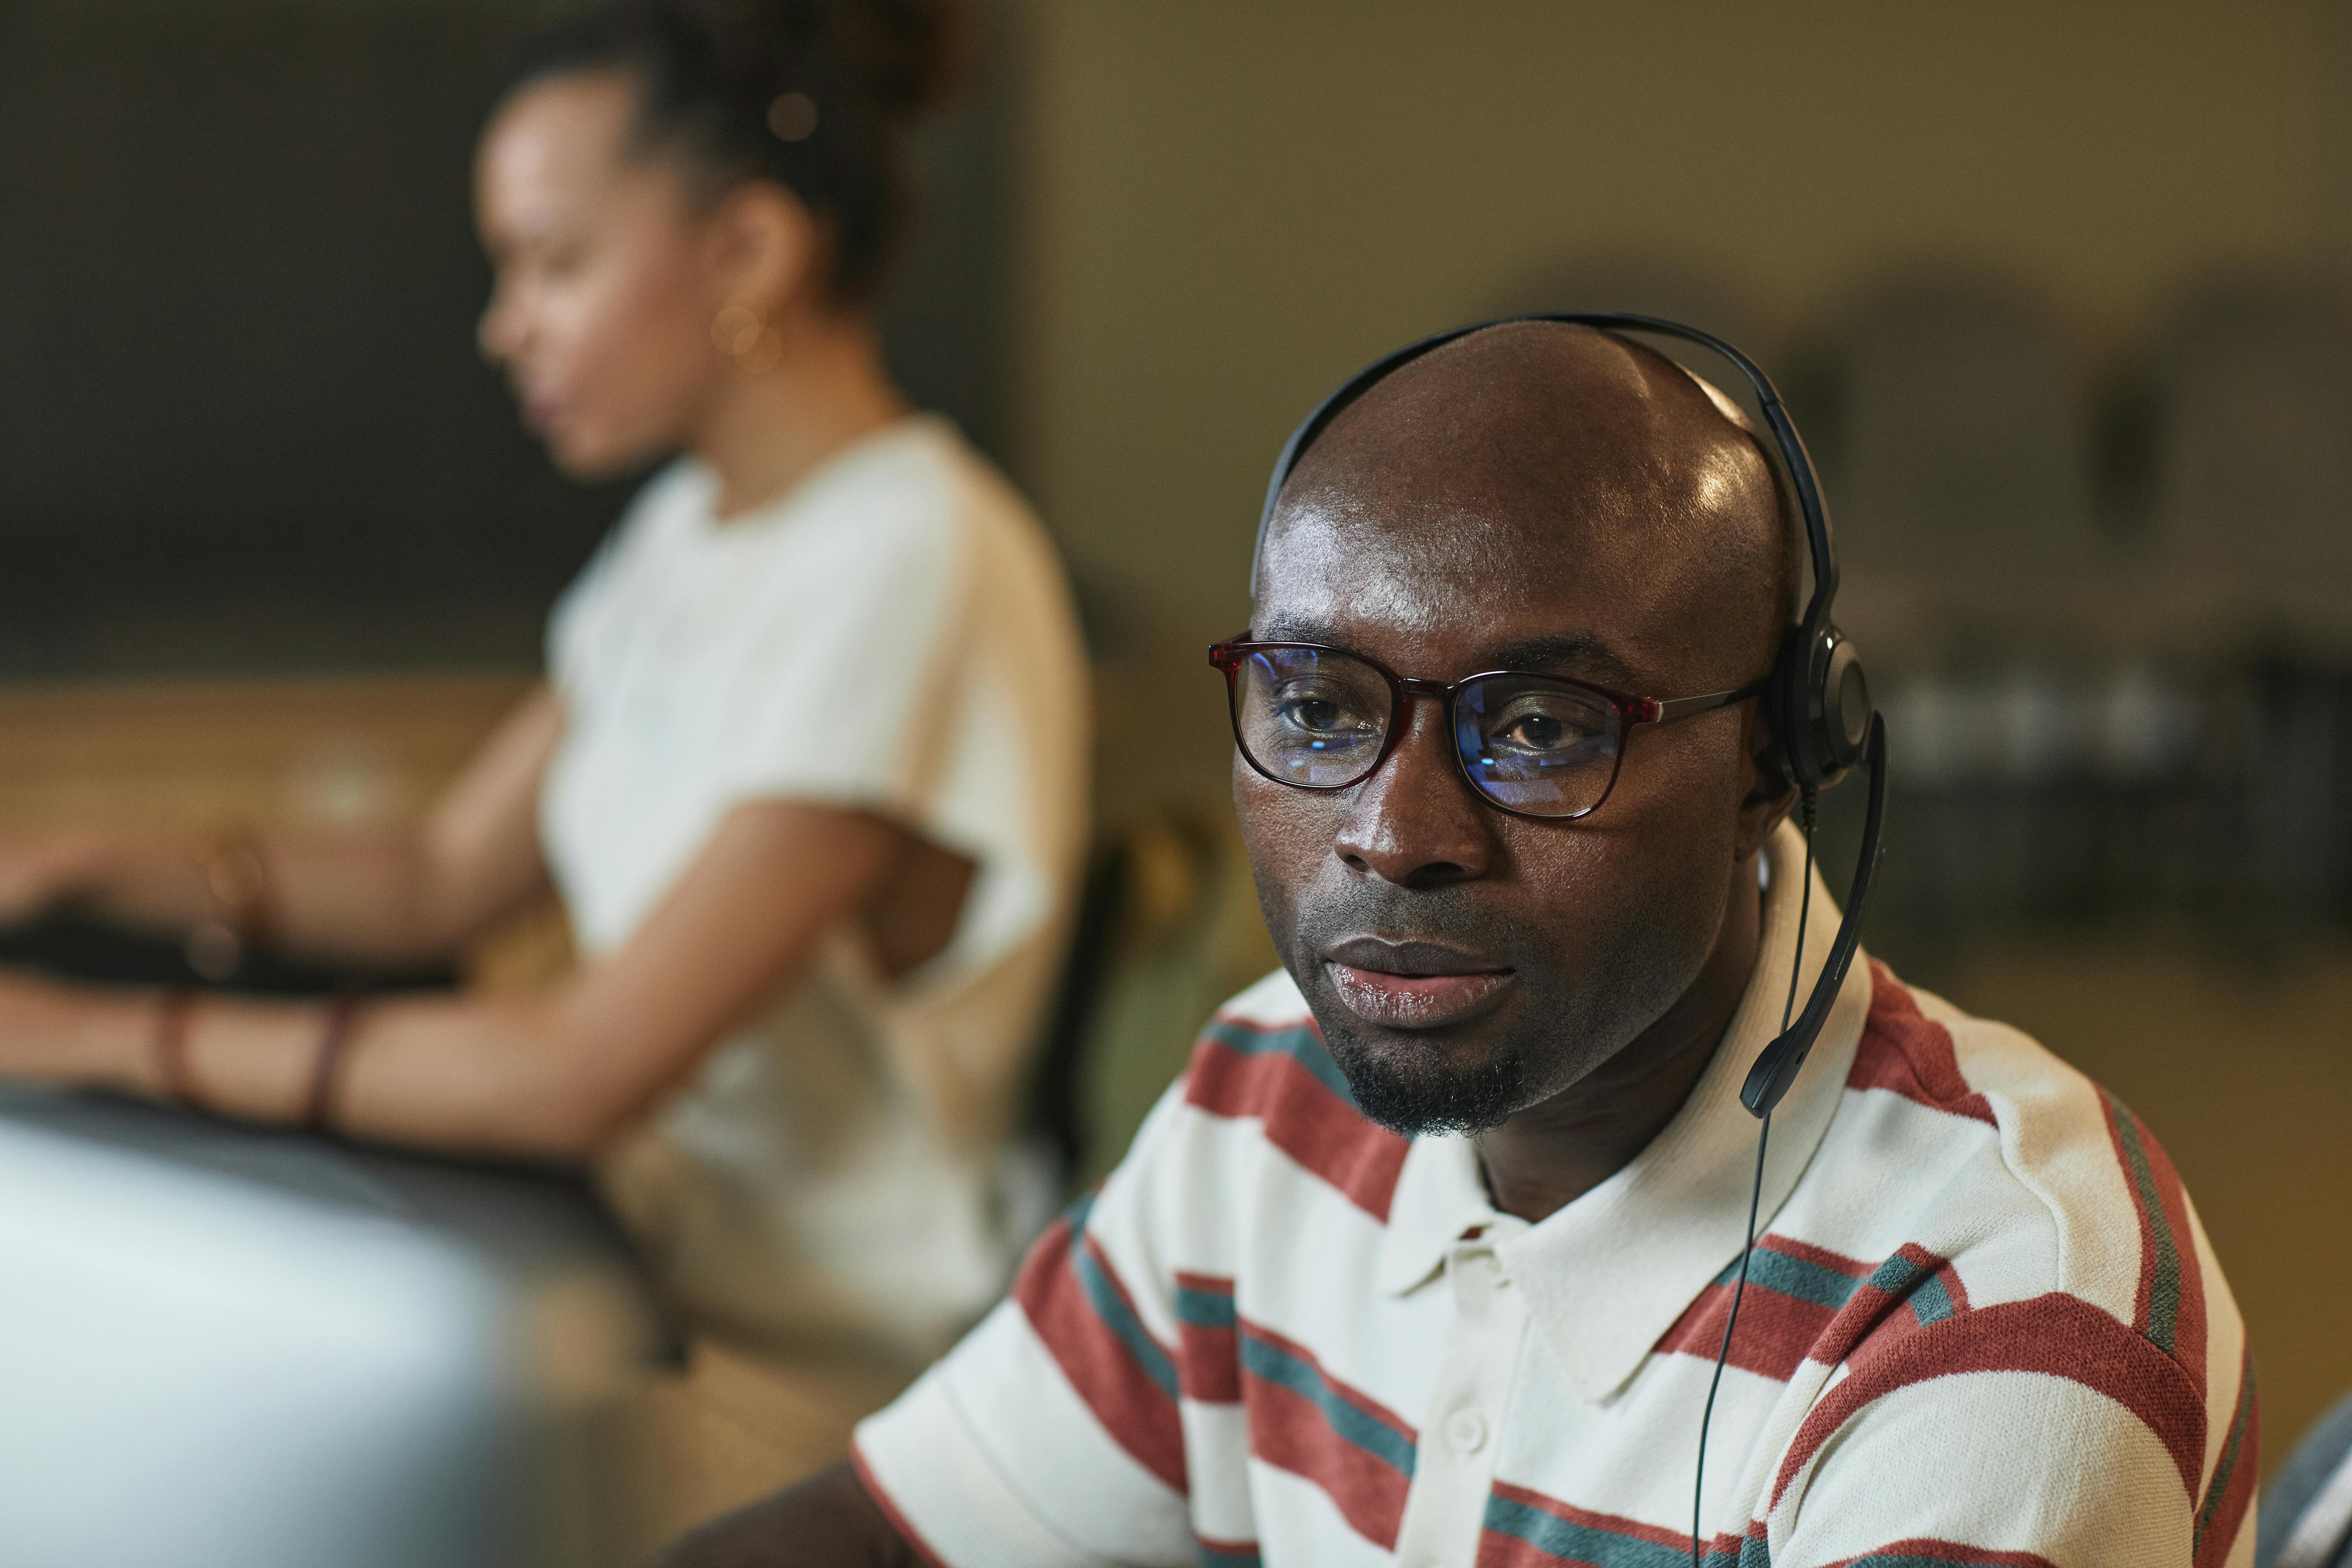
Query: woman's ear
point(767, 249)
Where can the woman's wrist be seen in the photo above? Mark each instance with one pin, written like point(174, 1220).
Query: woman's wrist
point(117, 1042)
point(71, 1034)
point(152, 881)
point(235, 870)
point(40, 874)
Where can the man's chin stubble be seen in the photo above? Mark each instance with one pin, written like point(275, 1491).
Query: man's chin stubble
point(1412, 1090)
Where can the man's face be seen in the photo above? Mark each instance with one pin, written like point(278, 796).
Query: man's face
point(1465, 964)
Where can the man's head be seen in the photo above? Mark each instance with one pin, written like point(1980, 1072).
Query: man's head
point(1547, 499)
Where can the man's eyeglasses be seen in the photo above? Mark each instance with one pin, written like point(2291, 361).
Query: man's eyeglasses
point(1534, 745)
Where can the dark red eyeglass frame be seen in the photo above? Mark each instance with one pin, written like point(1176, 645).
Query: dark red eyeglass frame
point(1229, 655)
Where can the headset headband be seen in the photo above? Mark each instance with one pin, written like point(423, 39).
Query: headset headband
point(1822, 717)
point(1794, 460)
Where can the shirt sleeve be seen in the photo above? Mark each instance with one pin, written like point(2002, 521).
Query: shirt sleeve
point(2041, 1432)
point(1051, 1437)
point(849, 699)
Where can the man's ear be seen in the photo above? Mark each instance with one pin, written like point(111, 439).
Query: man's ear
point(767, 247)
point(1771, 793)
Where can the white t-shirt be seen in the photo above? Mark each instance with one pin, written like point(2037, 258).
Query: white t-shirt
point(895, 635)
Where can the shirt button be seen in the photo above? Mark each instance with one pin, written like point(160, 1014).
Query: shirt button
point(1467, 1431)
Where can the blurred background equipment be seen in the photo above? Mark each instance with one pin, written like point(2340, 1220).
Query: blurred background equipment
point(2307, 1511)
point(231, 1348)
point(2059, 296)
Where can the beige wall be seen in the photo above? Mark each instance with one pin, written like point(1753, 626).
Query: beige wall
point(1230, 204)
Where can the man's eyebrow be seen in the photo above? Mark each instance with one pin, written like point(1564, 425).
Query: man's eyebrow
point(1580, 652)
point(1576, 654)
point(1280, 630)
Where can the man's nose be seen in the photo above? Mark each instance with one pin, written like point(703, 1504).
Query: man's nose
point(1415, 822)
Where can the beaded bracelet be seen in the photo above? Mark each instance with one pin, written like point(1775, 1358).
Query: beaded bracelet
point(172, 1018)
point(343, 1011)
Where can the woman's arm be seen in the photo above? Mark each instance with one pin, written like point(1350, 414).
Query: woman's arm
point(555, 1074)
point(406, 897)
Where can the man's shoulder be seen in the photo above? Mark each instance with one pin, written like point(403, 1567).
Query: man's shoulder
point(2019, 1181)
point(2002, 1224)
point(1989, 1104)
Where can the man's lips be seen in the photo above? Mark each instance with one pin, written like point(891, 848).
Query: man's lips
point(1410, 985)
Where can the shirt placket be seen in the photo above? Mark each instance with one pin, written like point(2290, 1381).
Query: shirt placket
point(1454, 1464)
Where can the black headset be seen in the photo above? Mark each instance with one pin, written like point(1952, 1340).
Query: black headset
point(1817, 697)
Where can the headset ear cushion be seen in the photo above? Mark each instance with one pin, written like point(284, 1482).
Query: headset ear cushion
point(1774, 777)
point(1844, 704)
point(1792, 726)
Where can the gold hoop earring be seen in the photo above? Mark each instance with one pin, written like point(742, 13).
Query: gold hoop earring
point(744, 335)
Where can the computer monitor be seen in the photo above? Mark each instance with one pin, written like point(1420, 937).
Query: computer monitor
point(225, 1346)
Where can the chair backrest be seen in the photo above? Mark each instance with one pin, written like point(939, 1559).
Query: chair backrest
point(2306, 1511)
point(2253, 452)
point(1169, 929)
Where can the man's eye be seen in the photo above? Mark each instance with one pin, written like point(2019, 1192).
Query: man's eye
point(1528, 726)
point(1537, 732)
point(1316, 715)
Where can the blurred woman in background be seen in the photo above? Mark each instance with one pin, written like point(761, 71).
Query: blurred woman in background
point(808, 773)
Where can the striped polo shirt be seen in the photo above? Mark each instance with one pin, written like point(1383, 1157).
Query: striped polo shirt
point(1983, 1325)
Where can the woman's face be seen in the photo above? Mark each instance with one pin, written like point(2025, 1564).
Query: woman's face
point(605, 286)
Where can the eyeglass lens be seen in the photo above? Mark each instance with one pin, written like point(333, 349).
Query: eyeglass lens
point(1318, 719)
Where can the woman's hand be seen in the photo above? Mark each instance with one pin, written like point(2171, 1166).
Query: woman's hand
point(39, 874)
point(556, 1074)
point(73, 1034)
point(413, 895)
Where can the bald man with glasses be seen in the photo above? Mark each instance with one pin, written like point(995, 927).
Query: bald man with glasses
point(1429, 1258)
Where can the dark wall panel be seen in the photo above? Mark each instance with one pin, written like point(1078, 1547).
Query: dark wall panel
point(242, 421)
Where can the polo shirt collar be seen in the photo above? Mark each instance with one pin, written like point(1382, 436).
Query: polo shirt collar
point(1606, 1276)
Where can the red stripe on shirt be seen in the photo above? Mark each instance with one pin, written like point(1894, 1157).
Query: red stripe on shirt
point(898, 1522)
point(1927, 1548)
point(1869, 1314)
point(1907, 1053)
point(1300, 1117)
point(2229, 1497)
point(1346, 1391)
point(1132, 1408)
point(2168, 1217)
point(1776, 1332)
point(1614, 1524)
point(1290, 1431)
point(1208, 1356)
point(2055, 1335)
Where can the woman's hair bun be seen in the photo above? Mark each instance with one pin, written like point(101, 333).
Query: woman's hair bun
point(813, 94)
